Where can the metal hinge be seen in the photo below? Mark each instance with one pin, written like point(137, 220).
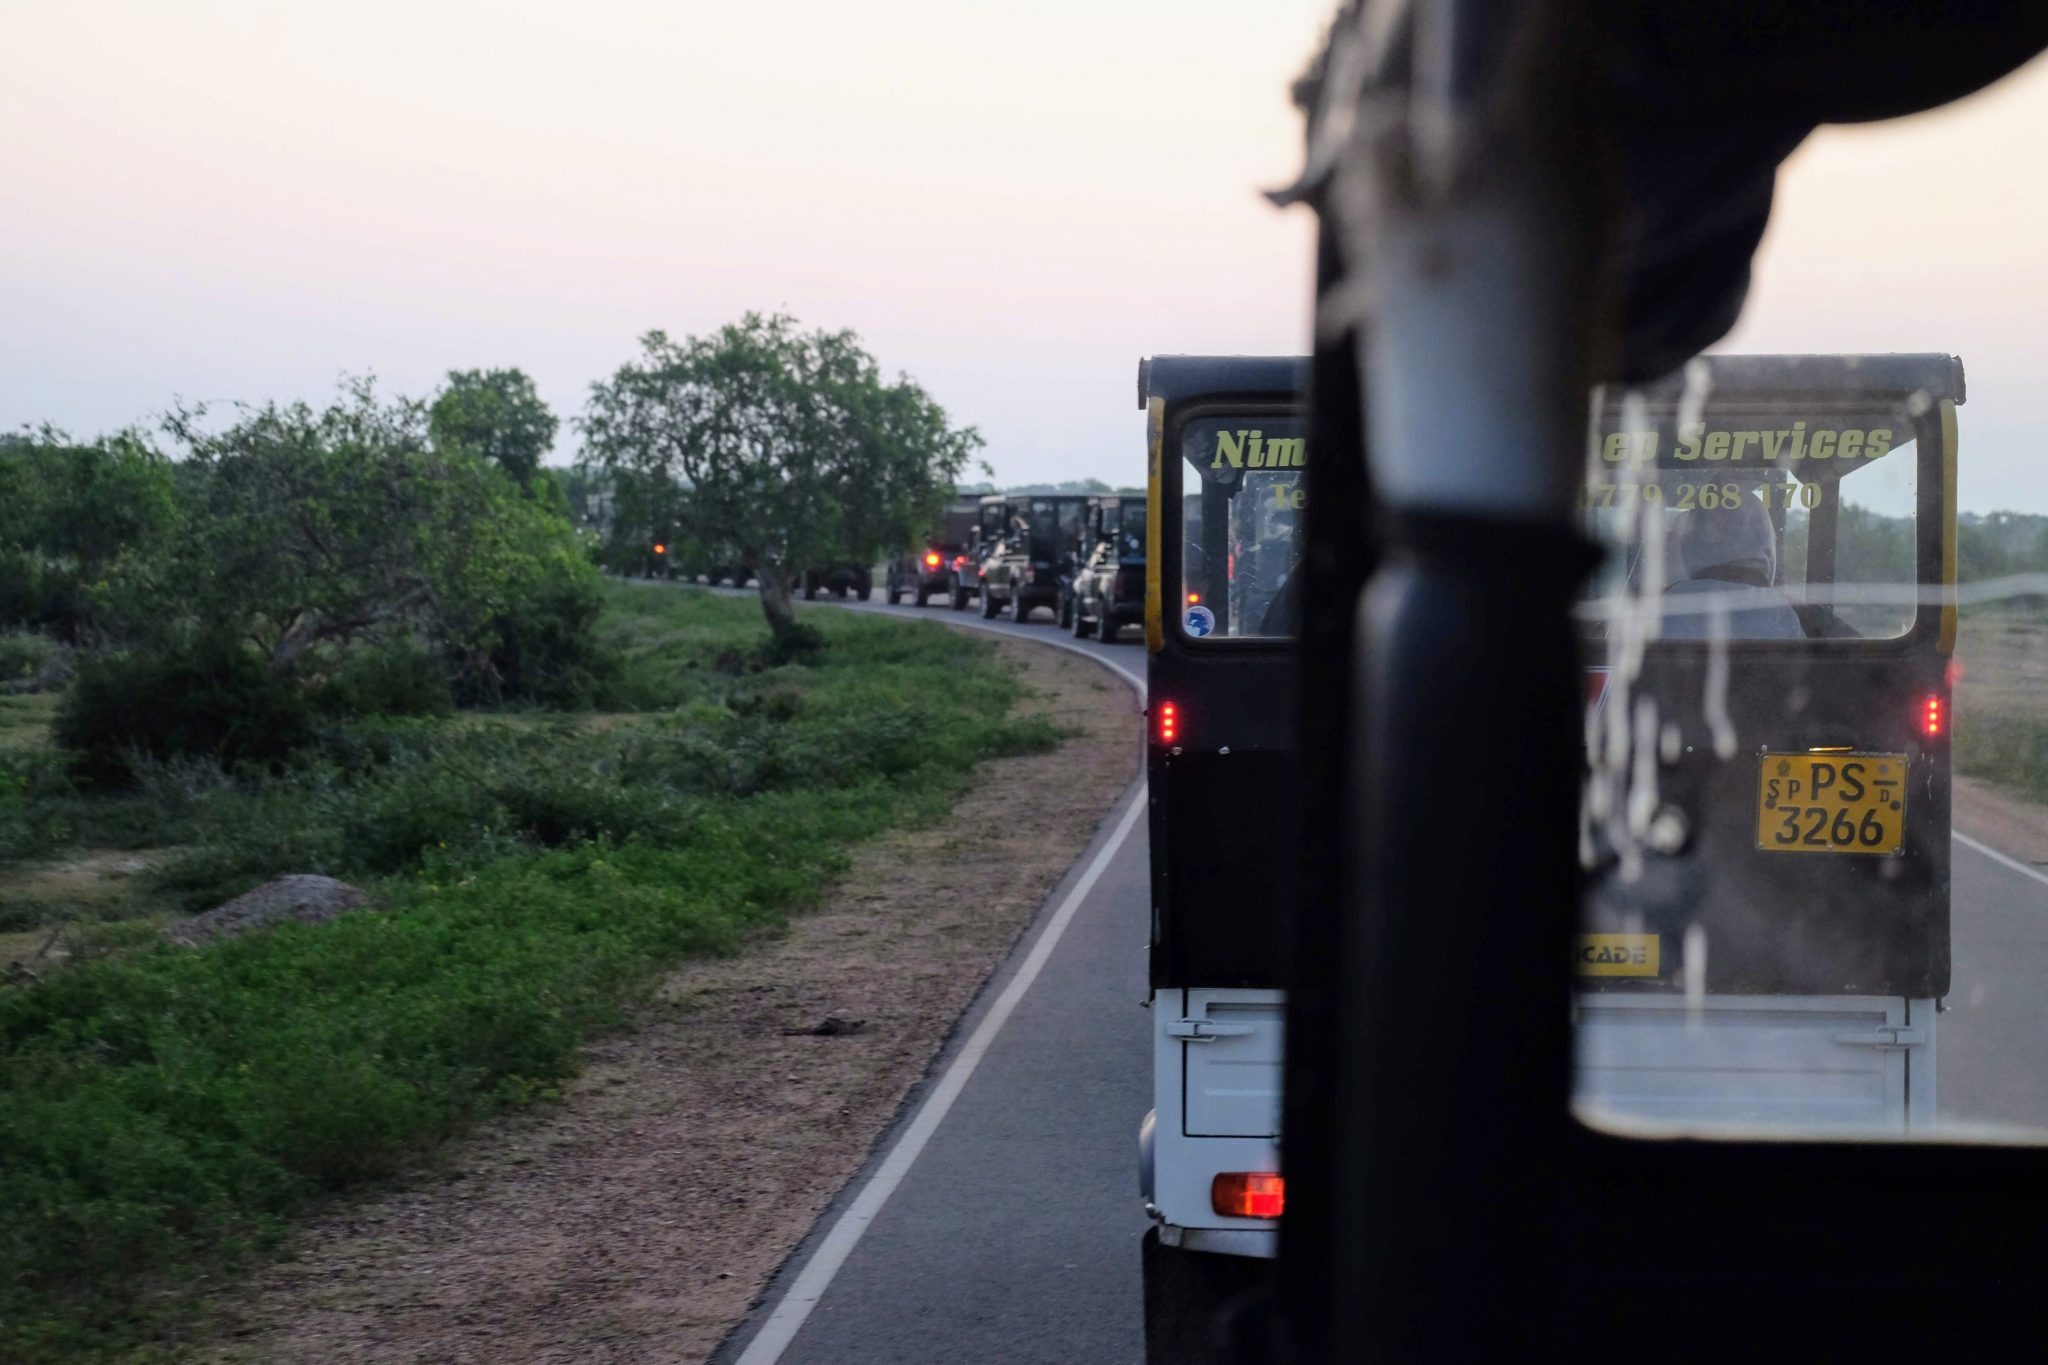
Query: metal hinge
point(1205, 1030)
point(1884, 1037)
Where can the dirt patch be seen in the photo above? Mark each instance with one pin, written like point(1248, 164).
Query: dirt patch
point(92, 878)
point(90, 886)
point(641, 1217)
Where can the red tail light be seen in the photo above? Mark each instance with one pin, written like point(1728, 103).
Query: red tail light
point(931, 561)
point(1248, 1194)
point(1931, 717)
point(1169, 723)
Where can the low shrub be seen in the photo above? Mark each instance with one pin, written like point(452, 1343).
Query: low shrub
point(210, 698)
point(548, 650)
point(404, 677)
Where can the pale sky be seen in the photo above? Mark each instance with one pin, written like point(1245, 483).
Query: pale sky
point(221, 199)
point(1928, 234)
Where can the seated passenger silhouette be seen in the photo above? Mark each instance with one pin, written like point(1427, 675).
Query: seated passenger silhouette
point(1731, 549)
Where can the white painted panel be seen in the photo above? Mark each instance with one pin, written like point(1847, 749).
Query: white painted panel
point(1233, 1080)
point(1753, 1062)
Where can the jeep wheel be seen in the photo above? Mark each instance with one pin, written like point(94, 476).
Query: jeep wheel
point(988, 604)
point(959, 599)
point(1191, 1299)
point(1019, 613)
point(1083, 627)
point(1110, 629)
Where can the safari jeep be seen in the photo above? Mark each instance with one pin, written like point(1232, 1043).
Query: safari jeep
point(1108, 591)
point(933, 567)
point(1032, 563)
point(1766, 821)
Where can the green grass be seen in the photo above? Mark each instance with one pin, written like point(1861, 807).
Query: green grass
point(2001, 727)
point(25, 720)
point(2009, 749)
point(164, 1112)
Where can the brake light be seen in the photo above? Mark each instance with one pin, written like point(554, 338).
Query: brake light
point(959, 561)
point(1248, 1194)
point(1931, 717)
point(1193, 598)
point(1169, 722)
point(931, 561)
point(661, 549)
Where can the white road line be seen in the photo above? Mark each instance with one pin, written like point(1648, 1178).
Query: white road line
point(1133, 679)
point(811, 1282)
point(997, 628)
point(2001, 859)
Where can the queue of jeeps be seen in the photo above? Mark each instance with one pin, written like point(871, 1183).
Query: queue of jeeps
point(1078, 557)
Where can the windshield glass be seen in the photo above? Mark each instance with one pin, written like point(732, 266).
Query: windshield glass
point(1130, 537)
point(1243, 485)
point(1764, 524)
point(1052, 523)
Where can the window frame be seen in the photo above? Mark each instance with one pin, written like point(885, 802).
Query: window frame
point(1171, 528)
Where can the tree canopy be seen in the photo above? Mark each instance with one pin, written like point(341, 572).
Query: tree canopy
point(69, 512)
point(773, 447)
point(498, 415)
point(314, 528)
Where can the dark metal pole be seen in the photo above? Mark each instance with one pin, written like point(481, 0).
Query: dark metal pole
point(1463, 193)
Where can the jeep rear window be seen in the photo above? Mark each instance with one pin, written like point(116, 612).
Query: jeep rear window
point(1791, 524)
point(1243, 485)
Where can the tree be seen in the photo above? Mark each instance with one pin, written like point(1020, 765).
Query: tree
point(309, 531)
point(496, 414)
point(787, 448)
point(69, 513)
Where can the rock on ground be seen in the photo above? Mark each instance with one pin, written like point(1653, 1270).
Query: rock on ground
point(302, 897)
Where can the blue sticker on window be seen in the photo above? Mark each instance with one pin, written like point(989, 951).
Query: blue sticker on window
point(1200, 621)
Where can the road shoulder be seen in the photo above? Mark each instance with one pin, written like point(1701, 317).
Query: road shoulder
point(640, 1217)
point(1997, 817)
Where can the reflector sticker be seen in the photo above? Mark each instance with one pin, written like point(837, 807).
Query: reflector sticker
point(1200, 621)
point(1616, 955)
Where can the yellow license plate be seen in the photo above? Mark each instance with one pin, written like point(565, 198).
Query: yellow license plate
point(1832, 803)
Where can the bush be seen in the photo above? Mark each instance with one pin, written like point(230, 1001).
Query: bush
point(70, 513)
point(32, 662)
point(546, 648)
point(404, 677)
point(209, 698)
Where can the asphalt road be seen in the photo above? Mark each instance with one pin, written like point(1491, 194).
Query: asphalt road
point(1993, 1067)
point(1011, 1234)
